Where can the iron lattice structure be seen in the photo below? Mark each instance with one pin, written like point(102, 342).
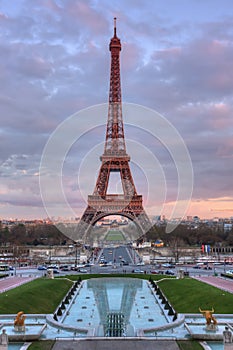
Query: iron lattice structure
point(115, 159)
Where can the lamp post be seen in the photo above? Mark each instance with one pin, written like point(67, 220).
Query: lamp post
point(50, 254)
point(15, 254)
point(76, 256)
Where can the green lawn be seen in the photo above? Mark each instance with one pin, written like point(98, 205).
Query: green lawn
point(188, 345)
point(39, 296)
point(114, 235)
point(187, 295)
point(42, 345)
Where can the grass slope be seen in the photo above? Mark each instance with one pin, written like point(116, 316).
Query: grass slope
point(39, 296)
point(42, 345)
point(187, 295)
point(188, 345)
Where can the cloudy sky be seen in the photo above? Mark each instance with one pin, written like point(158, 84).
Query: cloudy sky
point(176, 59)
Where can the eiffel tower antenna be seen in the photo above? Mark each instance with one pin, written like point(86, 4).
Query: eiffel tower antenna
point(114, 159)
point(115, 26)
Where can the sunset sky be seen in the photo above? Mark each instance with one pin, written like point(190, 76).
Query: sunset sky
point(176, 59)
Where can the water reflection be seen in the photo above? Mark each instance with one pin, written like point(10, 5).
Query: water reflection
point(107, 298)
point(114, 295)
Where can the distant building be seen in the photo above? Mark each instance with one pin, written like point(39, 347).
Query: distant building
point(227, 227)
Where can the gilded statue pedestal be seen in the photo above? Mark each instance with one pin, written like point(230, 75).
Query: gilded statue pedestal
point(211, 327)
point(19, 328)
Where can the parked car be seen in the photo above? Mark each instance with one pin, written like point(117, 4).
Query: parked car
point(41, 267)
point(65, 268)
point(82, 270)
point(170, 272)
point(88, 265)
point(169, 266)
point(53, 267)
point(197, 267)
point(138, 271)
point(103, 264)
point(154, 272)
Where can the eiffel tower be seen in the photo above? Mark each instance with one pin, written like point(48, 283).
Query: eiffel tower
point(114, 159)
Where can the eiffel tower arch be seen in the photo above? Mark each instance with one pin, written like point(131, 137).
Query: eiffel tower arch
point(114, 160)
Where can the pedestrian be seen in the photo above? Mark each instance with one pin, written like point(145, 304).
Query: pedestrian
point(227, 339)
point(3, 340)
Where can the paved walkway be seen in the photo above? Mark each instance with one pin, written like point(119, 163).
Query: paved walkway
point(115, 344)
point(219, 282)
point(13, 282)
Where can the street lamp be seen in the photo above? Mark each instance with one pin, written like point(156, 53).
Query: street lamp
point(76, 256)
point(15, 251)
point(50, 254)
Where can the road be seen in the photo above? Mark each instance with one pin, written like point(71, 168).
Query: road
point(124, 259)
point(118, 267)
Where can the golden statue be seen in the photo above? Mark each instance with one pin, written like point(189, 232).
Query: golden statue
point(208, 314)
point(19, 321)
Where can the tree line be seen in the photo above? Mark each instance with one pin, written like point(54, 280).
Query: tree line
point(184, 235)
point(38, 234)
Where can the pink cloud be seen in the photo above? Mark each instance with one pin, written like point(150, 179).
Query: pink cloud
point(225, 150)
point(51, 5)
point(87, 16)
point(130, 57)
point(220, 116)
point(167, 53)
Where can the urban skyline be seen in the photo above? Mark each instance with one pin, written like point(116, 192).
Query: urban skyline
point(176, 59)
